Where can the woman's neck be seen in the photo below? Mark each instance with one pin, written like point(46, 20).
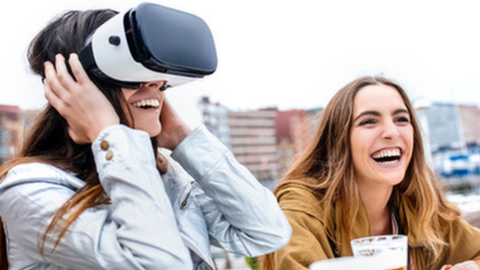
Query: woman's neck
point(376, 205)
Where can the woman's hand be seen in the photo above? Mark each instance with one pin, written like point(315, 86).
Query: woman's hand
point(80, 102)
point(174, 129)
point(467, 265)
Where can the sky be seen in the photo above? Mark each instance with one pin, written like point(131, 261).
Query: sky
point(289, 54)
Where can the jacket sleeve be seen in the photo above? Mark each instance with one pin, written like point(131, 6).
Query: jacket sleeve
point(309, 242)
point(136, 231)
point(464, 242)
point(242, 216)
point(304, 247)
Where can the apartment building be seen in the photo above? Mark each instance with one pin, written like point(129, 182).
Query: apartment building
point(253, 141)
point(264, 140)
point(215, 119)
point(441, 122)
point(450, 125)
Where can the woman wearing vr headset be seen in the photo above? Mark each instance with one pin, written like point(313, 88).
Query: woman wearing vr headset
point(89, 189)
point(365, 174)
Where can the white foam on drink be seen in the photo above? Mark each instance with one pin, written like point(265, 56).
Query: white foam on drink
point(393, 259)
point(348, 263)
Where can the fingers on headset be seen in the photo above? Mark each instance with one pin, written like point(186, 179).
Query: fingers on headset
point(77, 68)
point(62, 72)
point(52, 80)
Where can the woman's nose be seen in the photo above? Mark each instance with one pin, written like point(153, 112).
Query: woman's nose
point(390, 131)
point(154, 84)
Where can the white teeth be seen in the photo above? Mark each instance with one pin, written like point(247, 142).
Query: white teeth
point(387, 153)
point(390, 162)
point(147, 102)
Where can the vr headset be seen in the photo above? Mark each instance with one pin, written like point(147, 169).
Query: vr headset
point(148, 43)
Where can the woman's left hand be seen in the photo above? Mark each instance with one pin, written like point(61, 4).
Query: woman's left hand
point(174, 129)
point(467, 265)
point(78, 100)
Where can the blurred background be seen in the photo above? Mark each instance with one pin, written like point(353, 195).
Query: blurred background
point(280, 62)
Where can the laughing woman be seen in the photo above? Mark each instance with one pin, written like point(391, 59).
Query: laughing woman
point(365, 174)
point(91, 190)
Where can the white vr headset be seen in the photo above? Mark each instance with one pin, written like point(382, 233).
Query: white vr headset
point(150, 43)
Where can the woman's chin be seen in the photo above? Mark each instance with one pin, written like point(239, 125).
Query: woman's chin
point(152, 130)
point(155, 133)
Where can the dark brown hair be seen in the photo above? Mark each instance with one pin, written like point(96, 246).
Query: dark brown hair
point(47, 140)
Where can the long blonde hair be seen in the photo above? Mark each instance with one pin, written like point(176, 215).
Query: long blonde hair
point(327, 171)
point(48, 141)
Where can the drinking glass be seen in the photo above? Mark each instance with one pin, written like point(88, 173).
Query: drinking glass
point(390, 250)
point(348, 263)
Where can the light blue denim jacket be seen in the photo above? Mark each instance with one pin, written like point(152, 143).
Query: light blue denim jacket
point(154, 221)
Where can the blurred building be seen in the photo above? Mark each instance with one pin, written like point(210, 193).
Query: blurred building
point(449, 125)
point(453, 135)
point(13, 123)
point(215, 119)
point(470, 122)
point(442, 120)
point(263, 140)
point(250, 135)
point(294, 129)
point(253, 141)
point(10, 132)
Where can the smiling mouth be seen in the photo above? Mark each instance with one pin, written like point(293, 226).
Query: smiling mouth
point(387, 156)
point(147, 104)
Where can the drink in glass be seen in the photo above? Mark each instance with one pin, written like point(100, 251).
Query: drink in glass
point(347, 263)
point(390, 250)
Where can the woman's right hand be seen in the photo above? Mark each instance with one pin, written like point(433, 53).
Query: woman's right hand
point(80, 102)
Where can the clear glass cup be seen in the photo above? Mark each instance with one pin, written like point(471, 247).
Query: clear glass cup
point(347, 263)
point(390, 250)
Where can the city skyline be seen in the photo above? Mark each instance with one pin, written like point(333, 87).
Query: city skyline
point(266, 139)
